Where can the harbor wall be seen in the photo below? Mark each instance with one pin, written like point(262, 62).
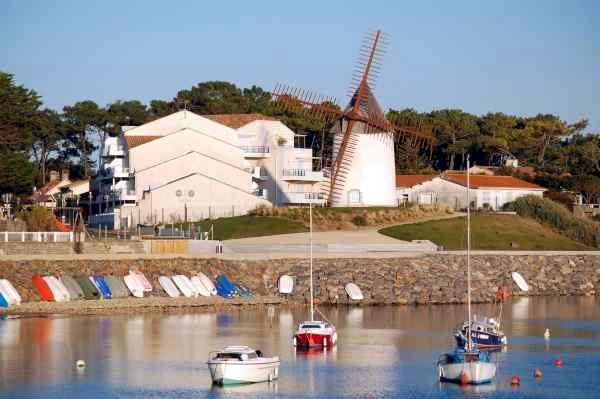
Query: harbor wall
point(427, 279)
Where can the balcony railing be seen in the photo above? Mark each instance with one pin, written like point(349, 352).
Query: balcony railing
point(255, 149)
point(301, 174)
point(305, 197)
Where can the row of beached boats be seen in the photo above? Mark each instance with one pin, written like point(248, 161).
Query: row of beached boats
point(68, 288)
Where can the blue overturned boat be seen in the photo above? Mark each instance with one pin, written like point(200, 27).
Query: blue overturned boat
point(225, 287)
point(103, 287)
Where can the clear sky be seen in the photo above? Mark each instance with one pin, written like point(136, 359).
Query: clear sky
point(519, 57)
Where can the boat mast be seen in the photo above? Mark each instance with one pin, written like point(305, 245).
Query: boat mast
point(469, 344)
point(312, 309)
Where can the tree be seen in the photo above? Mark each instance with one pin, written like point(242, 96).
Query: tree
point(215, 97)
point(160, 108)
point(17, 173)
point(546, 130)
point(257, 100)
point(497, 133)
point(49, 132)
point(121, 113)
point(18, 106)
point(86, 122)
point(589, 187)
point(455, 130)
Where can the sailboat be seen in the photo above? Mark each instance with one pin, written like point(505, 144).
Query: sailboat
point(314, 333)
point(467, 364)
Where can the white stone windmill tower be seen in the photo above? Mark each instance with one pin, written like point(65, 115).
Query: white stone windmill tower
point(362, 172)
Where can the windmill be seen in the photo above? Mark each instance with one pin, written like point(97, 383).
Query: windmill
point(363, 170)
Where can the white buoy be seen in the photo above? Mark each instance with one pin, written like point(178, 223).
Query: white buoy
point(80, 364)
point(547, 334)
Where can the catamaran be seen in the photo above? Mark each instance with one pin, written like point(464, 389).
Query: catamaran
point(467, 364)
point(314, 333)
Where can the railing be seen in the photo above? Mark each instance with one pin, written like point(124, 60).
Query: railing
point(36, 236)
point(255, 149)
point(113, 150)
point(302, 174)
point(305, 198)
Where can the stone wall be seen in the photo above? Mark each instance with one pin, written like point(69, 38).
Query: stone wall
point(419, 280)
point(67, 248)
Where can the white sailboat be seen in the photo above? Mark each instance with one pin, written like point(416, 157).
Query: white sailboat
point(467, 364)
point(314, 333)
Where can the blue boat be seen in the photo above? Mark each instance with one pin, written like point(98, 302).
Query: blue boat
point(225, 287)
point(485, 334)
point(103, 287)
point(243, 291)
point(3, 301)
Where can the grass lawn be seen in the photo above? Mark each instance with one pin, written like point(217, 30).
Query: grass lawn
point(488, 231)
point(250, 226)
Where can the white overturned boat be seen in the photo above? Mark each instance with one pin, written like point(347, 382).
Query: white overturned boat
point(241, 365)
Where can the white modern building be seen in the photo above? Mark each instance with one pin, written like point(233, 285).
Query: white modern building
point(189, 167)
point(450, 189)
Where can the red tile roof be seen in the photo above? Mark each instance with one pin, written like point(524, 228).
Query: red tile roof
point(483, 181)
point(134, 141)
point(235, 121)
point(412, 180)
point(42, 191)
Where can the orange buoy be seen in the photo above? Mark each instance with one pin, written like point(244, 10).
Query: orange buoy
point(515, 380)
point(464, 380)
point(558, 362)
point(537, 373)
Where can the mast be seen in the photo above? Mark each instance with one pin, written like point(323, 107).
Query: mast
point(469, 344)
point(312, 309)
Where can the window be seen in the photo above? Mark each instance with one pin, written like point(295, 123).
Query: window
point(354, 197)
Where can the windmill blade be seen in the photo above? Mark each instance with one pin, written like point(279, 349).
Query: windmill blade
point(368, 65)
point(423, 134)
point(308, 103)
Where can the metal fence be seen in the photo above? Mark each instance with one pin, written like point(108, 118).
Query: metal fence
point(36, 236)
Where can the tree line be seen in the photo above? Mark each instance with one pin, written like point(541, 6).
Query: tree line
point(34, 139)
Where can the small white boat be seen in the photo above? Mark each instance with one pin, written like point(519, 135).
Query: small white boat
point(354, 292)
point(466, 366)
point(9, 292)
point(184, 284)
point(199, 286)
point(210, 286)
point(134, 285)
point(142, 279)
point(59, 292)
point(286, 284)
point(241, 365)
point(520, 281)
point(167, 284)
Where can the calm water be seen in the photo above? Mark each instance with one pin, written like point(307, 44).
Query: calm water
point(383, 352)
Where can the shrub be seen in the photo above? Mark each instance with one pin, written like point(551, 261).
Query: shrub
point(38, 218)
point(558, 217)
point(359, 220)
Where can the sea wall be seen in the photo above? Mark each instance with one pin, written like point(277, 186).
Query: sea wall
point(68, 248)
point(439, 278)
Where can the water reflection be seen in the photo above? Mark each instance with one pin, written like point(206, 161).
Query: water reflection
point(381, 350)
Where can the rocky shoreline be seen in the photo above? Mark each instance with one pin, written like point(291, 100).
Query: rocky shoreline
point(419, 280)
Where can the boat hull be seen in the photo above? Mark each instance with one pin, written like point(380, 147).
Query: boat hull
point(476, 372)
point(231, 373)
point(314, 340)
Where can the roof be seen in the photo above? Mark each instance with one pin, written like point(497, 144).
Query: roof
point(484, 181)
point(412, 180)
point(42, 191)
point(134, 141)
point(235, 121)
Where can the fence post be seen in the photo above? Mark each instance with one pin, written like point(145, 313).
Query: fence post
point(6, 236)
point(22, 236)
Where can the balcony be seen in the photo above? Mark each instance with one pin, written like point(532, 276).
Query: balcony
point(111, 172)
point(113, 151)
point(305, 198)
point(256, 151)
point(301, 174)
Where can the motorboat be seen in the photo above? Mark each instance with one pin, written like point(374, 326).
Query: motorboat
point(314, 333)
point(485, 333)
point(467, 364)
point(241, 365)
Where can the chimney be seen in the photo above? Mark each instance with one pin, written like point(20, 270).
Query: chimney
point(54, 176)
point(64, 174)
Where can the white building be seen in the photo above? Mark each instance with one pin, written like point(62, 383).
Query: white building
point(190, 167)
point(450, 189)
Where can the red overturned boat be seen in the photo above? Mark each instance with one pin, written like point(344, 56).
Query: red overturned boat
point(314, 333)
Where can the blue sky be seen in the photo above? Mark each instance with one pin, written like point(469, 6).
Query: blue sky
point(520, 57)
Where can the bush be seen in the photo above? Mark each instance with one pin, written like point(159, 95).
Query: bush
point(38, 218)
point(558, 217)
point(359, 220)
